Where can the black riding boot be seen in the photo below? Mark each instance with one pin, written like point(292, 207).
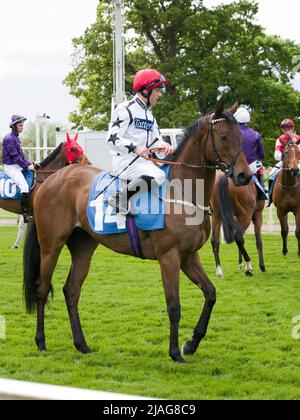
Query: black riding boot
point(25, 207)
point(270, 193)
point(119, 202)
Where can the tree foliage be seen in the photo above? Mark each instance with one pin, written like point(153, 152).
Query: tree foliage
point(200, 50)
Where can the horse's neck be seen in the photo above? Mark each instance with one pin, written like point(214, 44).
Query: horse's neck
point(50, 168)
point(193, 179)
point(287, 179)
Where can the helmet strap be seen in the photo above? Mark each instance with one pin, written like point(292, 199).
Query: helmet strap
point(147, 96)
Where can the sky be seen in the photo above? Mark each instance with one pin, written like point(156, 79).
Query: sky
point(36, 47)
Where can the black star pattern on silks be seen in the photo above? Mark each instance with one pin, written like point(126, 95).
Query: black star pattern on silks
point(131, 148)
point(117, 123)
point(113, 138)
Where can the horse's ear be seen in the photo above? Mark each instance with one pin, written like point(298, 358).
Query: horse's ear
point(76, 137)
point(234, 108)
point(68, 138)
point(220, 109)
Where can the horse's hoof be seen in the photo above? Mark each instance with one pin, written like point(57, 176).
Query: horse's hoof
point(188, 349)
point(42, 348)
point(84, 349)
point(285, 252)
point(41, 345)
point(176, 357)
point(249, 273)
point(219, 272)
point(263, 268)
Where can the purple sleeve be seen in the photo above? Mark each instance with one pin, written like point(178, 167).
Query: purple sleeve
point(260, 147)
point(16, 154)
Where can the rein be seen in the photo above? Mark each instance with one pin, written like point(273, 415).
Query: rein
point(51, 171)
point(226, 168)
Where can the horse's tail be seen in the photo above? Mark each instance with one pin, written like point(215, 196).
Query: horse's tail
point(31, 268)
point(229, 224)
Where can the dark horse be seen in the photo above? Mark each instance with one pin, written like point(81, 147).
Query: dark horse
point(65, 154)
point(286, 193)
point(212, 142)
point(246, 206)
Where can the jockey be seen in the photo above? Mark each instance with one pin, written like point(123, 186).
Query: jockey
point(252, 144)
point(14, 161)
point(132, 130)
point(287, 127)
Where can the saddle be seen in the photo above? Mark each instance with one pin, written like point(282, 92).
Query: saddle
point(8, 188)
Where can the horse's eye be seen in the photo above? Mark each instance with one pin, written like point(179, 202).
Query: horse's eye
point(74, 149)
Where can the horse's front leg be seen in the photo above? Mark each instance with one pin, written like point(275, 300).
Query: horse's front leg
point(297, 233)
point(170, 270)
point(193, 269)
point(258, 222)
point(283, 218)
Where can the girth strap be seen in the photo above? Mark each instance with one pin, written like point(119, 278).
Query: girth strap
point(134, 237)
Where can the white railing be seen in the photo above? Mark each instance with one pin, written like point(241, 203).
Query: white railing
point(16, 390)
point(271, 222)
point(31, 152)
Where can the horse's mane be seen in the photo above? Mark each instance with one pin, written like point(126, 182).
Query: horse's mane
point(51, 157)
point(189, 131)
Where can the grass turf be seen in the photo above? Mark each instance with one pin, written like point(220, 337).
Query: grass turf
point(248, 353)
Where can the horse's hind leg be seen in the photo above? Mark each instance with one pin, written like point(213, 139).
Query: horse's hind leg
point(48, 263)
point(240, 241)
point(215, 243)
point(81, 247)
point(193, 269)
point(258, 221)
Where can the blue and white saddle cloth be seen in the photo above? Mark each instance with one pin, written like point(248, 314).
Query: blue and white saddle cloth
point(262, 195)
point(8, 188)
point(148, 208)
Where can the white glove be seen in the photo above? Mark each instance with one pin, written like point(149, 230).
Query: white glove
point(256, 166)
point(278, 155)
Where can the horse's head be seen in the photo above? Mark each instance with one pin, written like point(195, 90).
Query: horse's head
point(291, 158)
point(223, 146)
point(74, 152)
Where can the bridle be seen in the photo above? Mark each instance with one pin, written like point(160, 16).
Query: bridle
point(292, 143)
point(227, 168)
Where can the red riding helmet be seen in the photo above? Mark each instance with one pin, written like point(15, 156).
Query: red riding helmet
point(148, 79)
point(287, 123)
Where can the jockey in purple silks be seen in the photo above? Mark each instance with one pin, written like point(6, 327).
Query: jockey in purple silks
point(252, 144)
point(14, 161)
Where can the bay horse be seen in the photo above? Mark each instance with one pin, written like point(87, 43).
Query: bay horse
point(212, 142)
point(286, 193)
point(246, 207)
point(65, 154)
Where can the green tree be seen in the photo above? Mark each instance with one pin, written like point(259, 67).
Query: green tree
point(199, 49)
